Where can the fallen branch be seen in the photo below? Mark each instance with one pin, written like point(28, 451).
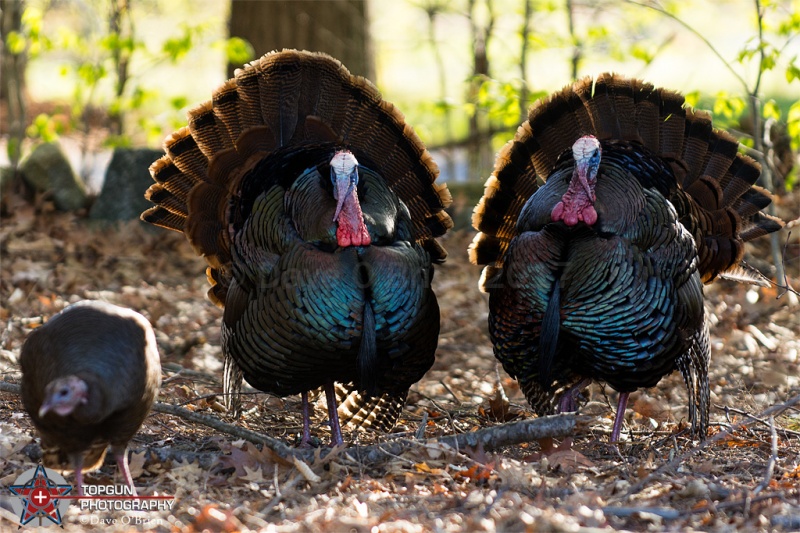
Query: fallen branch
point(215, 423)
point(556, 426)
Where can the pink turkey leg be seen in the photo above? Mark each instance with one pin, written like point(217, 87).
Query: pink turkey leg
point(305, 442)
point(77, 465)
point(333, 415)
point(621, 406)
point(122, 463)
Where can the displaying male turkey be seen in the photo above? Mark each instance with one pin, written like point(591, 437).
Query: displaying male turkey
point(89, 377)
point(599, 224)
point(314, 204)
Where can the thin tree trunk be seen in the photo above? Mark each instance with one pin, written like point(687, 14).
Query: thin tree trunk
point(480, 156)
point(523, 59)
point(12, 80)
point(577, 45)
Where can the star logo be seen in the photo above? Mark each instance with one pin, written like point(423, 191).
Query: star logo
point(40, 491)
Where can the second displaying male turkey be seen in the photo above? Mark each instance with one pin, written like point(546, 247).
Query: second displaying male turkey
point(314, 204)
point(600, 223)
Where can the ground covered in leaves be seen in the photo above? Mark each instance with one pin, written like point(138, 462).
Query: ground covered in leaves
point(745, 477)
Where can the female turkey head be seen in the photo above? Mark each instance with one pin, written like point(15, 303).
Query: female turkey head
point(577, 204)
point(63, 395)
point(351, 230)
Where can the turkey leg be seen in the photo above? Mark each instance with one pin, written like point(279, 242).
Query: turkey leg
point(305, 442)
point(333, 415)
point(77, 466)
point(121, 455)
point(622, 404)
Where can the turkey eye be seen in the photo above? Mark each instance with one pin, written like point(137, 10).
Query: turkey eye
point(63, 393)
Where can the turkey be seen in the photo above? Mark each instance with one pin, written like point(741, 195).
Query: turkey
point(315, 206)
point(89, 377)
point(602, 219)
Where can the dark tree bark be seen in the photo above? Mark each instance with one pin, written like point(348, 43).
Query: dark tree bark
point(337, 27)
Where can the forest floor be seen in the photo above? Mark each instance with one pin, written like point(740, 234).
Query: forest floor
point(746, 476)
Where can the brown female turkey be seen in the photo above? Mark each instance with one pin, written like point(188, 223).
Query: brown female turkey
point(314, 204)
point(89, 378)
point(601, 221)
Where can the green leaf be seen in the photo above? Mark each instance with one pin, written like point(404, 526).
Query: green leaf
point(177, 47)
point(793, 125)
point(238, 51)
point(692, 98)
point(728, 106)
point(771, 110)
point(178, 102)
point(792, 71)
point(15, 42)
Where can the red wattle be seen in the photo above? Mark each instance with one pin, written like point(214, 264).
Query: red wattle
point(351, 230)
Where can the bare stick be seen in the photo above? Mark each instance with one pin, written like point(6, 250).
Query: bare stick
point(491, 438)
point(773, 458)
point(754, 417)
point(215, 423)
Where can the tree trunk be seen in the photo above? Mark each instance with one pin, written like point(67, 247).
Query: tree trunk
point(339, 28)
point(12, 80)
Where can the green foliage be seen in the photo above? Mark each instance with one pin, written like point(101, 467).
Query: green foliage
point(107, 62)
point(31, 40)
point(45, 127)
point(499, 100)
point(238, 51)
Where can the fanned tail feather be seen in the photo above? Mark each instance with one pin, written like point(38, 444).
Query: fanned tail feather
point(287, 98)
point(718, 201)
point(360, 411)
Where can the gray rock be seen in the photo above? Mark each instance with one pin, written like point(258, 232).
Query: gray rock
point(127, 178)
point(46, 169)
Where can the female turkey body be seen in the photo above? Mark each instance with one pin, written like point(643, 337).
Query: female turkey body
point(305, 317)
point(630, 297)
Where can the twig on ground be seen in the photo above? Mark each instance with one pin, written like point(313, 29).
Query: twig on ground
point(420, 434)
point(773, 410)
point(759, 420)
point(448, 389)
point(668, 514)
point(773, 458)
point(215, 423)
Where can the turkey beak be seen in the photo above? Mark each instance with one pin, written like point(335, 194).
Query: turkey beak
point(44, 409)
point(343, 186)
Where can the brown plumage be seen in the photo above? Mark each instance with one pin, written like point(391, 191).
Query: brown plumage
point(598, 226)
point(89, 377)
point(316, 207)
